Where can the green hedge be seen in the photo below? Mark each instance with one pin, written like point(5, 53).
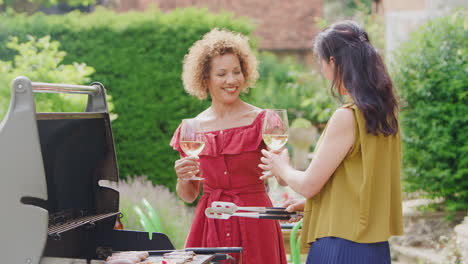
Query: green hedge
point(431, 73)
point(137, 56)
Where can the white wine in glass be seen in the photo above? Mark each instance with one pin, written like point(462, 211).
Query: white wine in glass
point(192, 148)
point(275, 130)
point(192, 140)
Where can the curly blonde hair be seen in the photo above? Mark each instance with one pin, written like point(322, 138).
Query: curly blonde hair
point(196, 66)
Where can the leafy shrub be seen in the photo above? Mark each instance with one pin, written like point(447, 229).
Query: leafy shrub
point(40, 59)
point(287, 85)
point(431, 72)
point(138, 57)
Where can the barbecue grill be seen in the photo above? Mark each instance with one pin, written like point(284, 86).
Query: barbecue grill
point(54, 169)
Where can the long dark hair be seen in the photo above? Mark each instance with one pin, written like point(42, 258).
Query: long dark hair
point(360, 69)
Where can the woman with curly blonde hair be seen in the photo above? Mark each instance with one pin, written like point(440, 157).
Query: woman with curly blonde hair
point(220, 66)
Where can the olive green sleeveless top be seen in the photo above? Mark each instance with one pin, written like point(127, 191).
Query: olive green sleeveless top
point(361, 201)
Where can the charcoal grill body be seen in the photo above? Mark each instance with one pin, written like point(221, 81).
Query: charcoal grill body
point(52, 167)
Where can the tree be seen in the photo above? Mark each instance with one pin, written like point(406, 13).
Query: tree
point(285, 84)
point(344, 9)
point(40, 60)
point(430, 72)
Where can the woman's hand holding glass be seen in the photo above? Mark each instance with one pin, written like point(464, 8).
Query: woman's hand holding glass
point(192, 142)
point(187, 168)
point(274, 164)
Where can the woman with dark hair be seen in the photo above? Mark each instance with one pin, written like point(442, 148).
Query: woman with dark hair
point(352, 185)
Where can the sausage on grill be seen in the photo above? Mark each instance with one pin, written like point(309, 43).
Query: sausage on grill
point(132, 256)
point(142, 255)
point(129, 258)
point(119, 261)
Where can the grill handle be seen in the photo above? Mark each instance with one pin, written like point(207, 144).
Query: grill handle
point(39, 87)
point(23, 88)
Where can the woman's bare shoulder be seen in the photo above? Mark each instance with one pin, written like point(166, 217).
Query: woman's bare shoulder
point(253, 107)
point(342, 119)
point(206, 114)
point(251, 111)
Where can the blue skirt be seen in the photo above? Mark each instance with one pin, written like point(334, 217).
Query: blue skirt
point(334, 250)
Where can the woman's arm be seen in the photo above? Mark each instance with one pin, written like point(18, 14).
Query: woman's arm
point(336, 143)
point(281, 181)
point(188, 190)
point(185, 168)
point(267, 174)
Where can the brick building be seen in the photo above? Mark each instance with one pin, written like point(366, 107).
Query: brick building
point(283, 27)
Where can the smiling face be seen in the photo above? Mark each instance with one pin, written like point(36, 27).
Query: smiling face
point(225, 78)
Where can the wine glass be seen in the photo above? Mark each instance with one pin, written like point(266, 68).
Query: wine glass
point(275, 128)
point(192, 140)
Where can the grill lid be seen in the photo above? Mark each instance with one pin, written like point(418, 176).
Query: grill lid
point(53, 161)
point(78, 152)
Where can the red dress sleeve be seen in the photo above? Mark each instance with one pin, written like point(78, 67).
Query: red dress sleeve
point(175, 142)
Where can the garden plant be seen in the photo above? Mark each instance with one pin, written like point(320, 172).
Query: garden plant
point(430, 71)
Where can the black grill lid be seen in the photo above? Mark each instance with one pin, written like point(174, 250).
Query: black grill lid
point(65, 154)
point(78, 152)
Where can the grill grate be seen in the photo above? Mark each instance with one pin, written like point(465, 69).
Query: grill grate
point(55, 230)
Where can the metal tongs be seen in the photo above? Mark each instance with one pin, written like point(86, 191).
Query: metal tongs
point(224, 210)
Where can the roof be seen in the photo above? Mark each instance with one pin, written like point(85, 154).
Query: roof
point(281, 24)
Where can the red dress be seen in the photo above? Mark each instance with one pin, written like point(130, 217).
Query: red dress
point(229, 164)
